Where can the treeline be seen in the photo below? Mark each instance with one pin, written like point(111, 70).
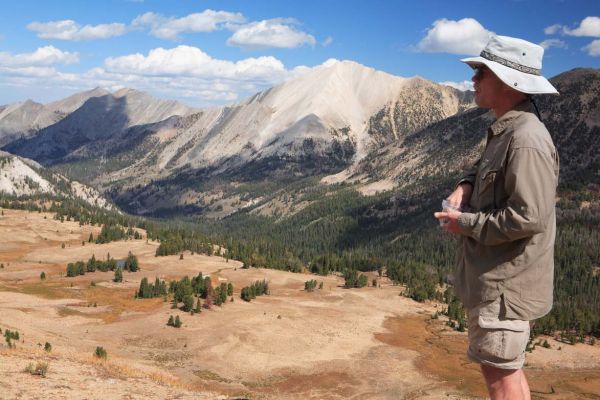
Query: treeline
point(257, 288)
point(111, 233)
point(110, 264)
point(149, 290)
point(185, 289)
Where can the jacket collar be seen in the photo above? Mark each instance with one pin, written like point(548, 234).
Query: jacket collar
point(500, 125)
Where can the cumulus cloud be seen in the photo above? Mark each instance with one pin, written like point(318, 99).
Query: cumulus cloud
point(190, 74)
point(71, 30)
point(466, 36)
point(593, 49)
point(278, 33)
point(44, 56)
point(170, 27)
point(464, 85)
point(184, 73)
point(191, 61)
point(552, 29)
point(546, 44)
point(589, 26)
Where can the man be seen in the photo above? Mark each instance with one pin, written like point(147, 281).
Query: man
point(505, 257)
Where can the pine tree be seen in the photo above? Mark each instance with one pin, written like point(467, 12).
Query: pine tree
point(188, 302)
point(118, 275)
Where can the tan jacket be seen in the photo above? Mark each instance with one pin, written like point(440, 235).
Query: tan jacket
point(507, 241)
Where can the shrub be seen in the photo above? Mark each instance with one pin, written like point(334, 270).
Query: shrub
point(43, 275)
point(100, 353)
point(48, 347)
point(41, 368)
point(310, 286)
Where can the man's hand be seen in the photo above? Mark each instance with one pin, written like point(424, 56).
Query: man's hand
point(461, 195)
point(448, 220)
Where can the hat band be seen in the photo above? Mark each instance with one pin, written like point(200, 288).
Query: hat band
point(510, 64)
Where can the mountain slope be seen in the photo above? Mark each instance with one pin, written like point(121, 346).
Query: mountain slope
point(98, 118)
point(22, 177)
point(443, 150)
point(23, 120)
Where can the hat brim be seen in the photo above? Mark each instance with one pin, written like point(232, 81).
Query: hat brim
point(525, 83)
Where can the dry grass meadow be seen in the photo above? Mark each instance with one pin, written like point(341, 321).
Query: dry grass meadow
point(334, 343)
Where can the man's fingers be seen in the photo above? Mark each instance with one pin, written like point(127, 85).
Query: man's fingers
point(440, 214)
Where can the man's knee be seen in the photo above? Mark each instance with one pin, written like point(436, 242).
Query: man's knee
point(499, 373)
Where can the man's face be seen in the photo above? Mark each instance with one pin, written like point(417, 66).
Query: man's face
point(488, 87)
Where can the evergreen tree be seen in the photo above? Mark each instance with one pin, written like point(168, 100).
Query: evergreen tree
point(188, 302)
point(131, 263)
point(118, 275)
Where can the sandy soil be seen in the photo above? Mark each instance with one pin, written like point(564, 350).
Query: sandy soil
point(333, 343)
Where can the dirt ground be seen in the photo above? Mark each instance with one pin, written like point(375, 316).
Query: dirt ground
point(334, 343)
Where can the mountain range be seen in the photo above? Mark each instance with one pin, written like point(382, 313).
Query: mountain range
point(339, 124)
point(128, 143)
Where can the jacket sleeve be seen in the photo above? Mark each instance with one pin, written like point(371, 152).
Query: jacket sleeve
point(470, 176)
point(530, 180)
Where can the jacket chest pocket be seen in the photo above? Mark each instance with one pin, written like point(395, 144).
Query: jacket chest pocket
point(486, 190)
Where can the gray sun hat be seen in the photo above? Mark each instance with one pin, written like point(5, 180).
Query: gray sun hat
point(517, 62)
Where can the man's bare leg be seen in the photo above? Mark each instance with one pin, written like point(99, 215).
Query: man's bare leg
point(506, 384)
point(525, 386)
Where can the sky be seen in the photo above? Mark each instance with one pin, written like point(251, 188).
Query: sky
point(210, 53)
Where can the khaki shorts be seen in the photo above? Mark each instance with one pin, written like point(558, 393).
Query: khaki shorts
point(495, 340)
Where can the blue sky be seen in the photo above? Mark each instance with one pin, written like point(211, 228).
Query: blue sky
point(207, 53)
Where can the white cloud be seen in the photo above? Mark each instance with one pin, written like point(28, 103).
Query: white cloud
point(170, 27)
point(464, 85)
point(466, 36)
point(593, 49)
point(546, 44)
point(70, 30)
point(278, 32)
point(327, 41)
point(184, 73)
point(590, 26)
point(552, 29)
point(44, 56)
point(193, 62)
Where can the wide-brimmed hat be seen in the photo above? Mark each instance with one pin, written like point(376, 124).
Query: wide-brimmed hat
point(517, 62)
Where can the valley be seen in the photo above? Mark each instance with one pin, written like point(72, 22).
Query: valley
point(333, 343)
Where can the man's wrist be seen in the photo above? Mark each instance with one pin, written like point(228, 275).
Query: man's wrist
point(465, 222)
